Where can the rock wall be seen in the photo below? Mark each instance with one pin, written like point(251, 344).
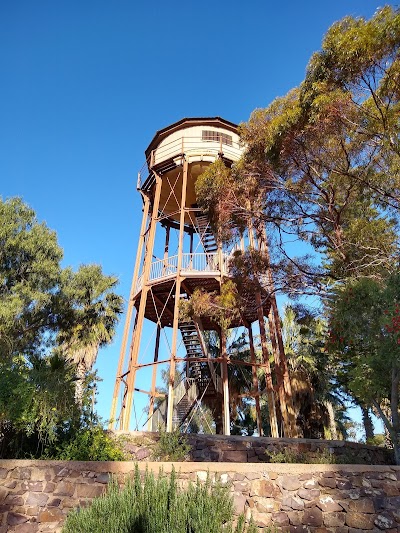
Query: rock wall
point(35, 496)
point(139, 445)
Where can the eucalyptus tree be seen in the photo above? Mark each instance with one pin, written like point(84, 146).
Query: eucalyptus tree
point(365, 338)
point(51, 319)
point(322, 167)
point(29, 276)
point(322, 164)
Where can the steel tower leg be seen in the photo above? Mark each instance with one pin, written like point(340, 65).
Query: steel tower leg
point(128, 320)
point(153, 378)
point(136, 337)
point(170, 407)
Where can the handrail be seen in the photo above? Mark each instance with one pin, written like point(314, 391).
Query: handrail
point(189, 145)
point(192, 392)
point(195, 262)
point(180, 391)
point(186, 387)
point(182, 144)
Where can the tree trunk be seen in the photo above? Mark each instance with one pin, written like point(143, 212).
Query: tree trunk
point(367, 421)
point(394, 404)
point(394, 432)
point(79, 383)
point(332, 423)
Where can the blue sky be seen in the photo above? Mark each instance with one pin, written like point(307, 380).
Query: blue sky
point(85, 85)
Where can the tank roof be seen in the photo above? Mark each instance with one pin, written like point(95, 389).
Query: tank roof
point(185, 122)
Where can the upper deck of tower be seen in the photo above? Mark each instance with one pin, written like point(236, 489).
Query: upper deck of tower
point(176, 156)
point(199, 140)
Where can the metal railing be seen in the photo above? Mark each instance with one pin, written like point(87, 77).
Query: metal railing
point(196, 262)
point(192, 147)
point(187, 388)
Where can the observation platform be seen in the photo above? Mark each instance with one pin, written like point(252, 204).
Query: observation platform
point(198, 271)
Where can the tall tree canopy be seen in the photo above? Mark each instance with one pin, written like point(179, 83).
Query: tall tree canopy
point(365, 337)
point(29, 279)
point(323, 162)
point(52, 323)
point(321, 167)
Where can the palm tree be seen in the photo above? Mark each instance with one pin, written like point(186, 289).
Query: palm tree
point(316, 397)
point(91, 311)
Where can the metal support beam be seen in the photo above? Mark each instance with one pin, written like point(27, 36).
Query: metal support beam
point(136, 337)
point(128, 320)
point(166, 248)
point(171, 384)
point(153, 377)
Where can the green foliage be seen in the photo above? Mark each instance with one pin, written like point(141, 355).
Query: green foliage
point(322, 166)
point(364, 336)
point(355, 80)
point(324, 457)
point(222, 308)
point(280, 115)
point(323, 186)
point(322, 163)
point(157, 504)
point(29, 275)
point(317, 396)
point(213, 189)
point(211, 183)
point(52, 323)
point(31, 402)
point(91, 311)
point(90, 444)
point(377, 440)
point(355, 48)
point(248, 269)
point(171, 446)
point(285, 456)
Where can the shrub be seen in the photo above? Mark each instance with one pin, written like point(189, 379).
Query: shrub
point(158, 505)
point(291, 456)
point(319, 457)
point(90, 444)
point(377, 440)
point(286, 456)
point(172, 446)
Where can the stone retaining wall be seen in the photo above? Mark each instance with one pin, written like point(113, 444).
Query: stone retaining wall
point(35, 496)
point(138, 446)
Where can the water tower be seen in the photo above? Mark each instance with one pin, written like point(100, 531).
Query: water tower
point(178, 253)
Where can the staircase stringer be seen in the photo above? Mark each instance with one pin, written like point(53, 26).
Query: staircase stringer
point(211, 365)
point(206, 235)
